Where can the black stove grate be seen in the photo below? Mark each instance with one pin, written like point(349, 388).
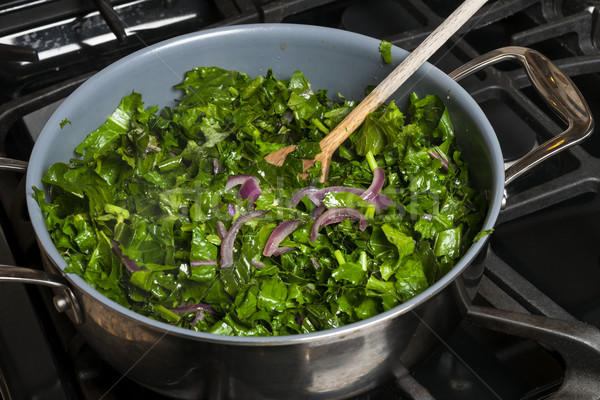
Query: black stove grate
point(566, 31)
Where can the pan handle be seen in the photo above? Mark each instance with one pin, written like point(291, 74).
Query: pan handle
point(8, 164)
point(65, 301)
point(577, 343)
point(555, 87)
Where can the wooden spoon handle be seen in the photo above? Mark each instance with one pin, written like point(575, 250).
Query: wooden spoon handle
point(400, 74)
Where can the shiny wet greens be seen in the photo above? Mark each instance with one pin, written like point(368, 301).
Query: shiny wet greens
point(151, 183)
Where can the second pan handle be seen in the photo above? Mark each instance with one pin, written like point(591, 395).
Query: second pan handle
point(67, 301)
point(555, 87)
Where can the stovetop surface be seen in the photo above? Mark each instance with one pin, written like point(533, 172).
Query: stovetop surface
point(545, 235)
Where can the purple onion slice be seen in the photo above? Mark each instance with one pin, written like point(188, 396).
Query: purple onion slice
point(231, 209)
point(221, 230)
point(373, 190)
point(184, 309)
point(250, 186)
point(282, 250)
point(299, 195)
point(250, 190)
point(318, 196)
point(197, 263)
point(373, 195)
point(199, 317)
point(131, 265)
point(319, 210)
point(382, 202)
point(217, 167)
point(336, 215)
point(229, 239)
point(370, 195)
point(200, 309)
point(235, 180)
point(279, 233)
point(435, 153)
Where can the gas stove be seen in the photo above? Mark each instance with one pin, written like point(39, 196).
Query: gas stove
point(543, 260)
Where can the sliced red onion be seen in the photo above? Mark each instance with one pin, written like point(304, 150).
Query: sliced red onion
point(250, 190)
point(299, 195)
point(231, 209)
point(209, 262)
point(336, 215)
point(227, 243)
point(257, 264)
point(318, 196)
point(435, 154)
point(282, 250)
point(373, 190)
point(279, 233)
point(235, 180)
point(382, 202)
point(372, 195)
point(315, 263)
point(217, 167)
point(200, 309)
point(184, 309)
point(319, 210)
point(131, 265)
point(286, 119)
point(199, 317)
point(221, 230)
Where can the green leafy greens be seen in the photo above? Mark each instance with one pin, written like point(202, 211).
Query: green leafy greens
point(385, 48)
point(146, 216)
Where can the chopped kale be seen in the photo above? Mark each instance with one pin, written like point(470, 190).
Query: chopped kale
point(169, 212)
point(385, 48)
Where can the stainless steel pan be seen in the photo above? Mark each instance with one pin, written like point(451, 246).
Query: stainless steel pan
point(330, 364)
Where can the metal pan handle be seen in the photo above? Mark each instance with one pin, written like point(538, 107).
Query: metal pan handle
point(556, 89)
point(578, 344)
point(65, 302)
point(8, 164)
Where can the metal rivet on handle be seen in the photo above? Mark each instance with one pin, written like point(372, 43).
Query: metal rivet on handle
point(62, 303)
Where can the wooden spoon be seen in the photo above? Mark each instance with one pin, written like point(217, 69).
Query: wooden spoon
point(384, 90)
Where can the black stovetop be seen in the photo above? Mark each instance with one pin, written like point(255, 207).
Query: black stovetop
point(543, 256)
